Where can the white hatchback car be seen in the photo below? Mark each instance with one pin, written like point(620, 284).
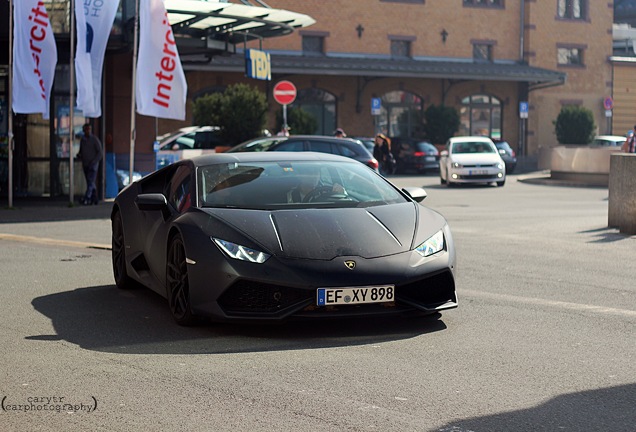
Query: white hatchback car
point(471, 159)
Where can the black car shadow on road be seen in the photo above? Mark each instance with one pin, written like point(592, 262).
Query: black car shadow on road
point(106, 319)
point(608, 409)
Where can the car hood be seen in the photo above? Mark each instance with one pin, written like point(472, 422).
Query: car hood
point(476, 158)
point(324, 234)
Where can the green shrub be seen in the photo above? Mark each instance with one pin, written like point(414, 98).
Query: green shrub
point(574, 125)
point(300, 121)
point(440, 123)
point(240, 111)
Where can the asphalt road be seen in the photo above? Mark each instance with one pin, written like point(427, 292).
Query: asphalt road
point(543, 339)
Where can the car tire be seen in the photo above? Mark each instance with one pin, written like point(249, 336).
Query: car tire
point(501, 183)
point(118, 254)
point(177, 286)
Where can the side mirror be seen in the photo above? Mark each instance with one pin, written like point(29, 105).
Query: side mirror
point(417, 194)
point(444, 153)
point(503, 152)
point(151, 202)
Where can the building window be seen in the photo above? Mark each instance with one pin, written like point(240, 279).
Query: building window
point(401, 114)
point(568, 56)
point(319, 104)
point(313, 45)
point(484, 3)
point(402, 1)
point(482, 52)
point(572, 9)
point(480, 114)
point(401, 46)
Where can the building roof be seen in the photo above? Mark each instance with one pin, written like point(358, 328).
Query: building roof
point(377, 66)
point(214, 27)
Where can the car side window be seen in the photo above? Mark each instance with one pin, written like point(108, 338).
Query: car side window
point(179, 195)
point(346, 151)
point(184, 142)
point(207, 140)
point(289, 145)
point(322, 147)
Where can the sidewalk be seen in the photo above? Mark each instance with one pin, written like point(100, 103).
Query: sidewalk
point(51, 209)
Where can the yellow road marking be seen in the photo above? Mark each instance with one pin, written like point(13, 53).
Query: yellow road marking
point(50, 241)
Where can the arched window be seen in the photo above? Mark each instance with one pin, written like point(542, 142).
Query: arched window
point(481, 115)
point(401, 114)
point(320, 104)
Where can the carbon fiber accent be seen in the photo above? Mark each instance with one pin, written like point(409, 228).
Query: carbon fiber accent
point(428, 292)
point(259, 298)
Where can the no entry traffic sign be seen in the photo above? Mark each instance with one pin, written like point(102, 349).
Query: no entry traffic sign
point(284, 92)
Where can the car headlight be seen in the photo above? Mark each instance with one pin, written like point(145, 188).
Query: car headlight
point(500, 165)
point(457, 165)
point(239, 252)
point(433, 245)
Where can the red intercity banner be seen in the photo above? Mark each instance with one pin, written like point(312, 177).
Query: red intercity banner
point(35, 57)
point(161, 84)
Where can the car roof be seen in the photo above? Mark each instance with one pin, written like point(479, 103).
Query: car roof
point(186, 130)
point(471, 139)
point(323, 138)
point(267, 157)
point(610, 137)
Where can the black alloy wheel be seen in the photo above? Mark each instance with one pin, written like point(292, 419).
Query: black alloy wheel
point(178, 289)
point(118, 253)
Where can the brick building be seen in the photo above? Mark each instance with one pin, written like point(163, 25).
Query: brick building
point(483, 57)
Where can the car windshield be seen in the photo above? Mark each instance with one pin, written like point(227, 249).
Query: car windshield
point(472, 147)
point(297, 184)
point(426, 147)
point(257, 145)
point(503, 146)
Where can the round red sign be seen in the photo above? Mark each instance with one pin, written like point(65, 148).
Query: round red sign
point(284, 92)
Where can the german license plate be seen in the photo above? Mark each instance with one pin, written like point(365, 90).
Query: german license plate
point(430, 158)
point(358, 295)
point(477, 172)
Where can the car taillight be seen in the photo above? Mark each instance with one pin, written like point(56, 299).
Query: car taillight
point(373, 163)
point(419, 154)
point(513, 153)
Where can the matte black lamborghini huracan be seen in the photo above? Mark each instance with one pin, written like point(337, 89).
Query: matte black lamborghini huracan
point(275, 235)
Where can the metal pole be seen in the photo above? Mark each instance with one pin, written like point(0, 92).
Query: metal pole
point(103, 135)
point(133, 96)
point(9, 106)
point(71, 96)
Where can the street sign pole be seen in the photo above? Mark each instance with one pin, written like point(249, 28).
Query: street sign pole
point(10, 108)
point(285, 118)
point(284, 94)
point(523, 119)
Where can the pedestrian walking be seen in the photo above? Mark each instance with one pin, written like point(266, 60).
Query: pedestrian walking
point(339, 133)
point(382, 153)
point(630, 143)
point(90, 154)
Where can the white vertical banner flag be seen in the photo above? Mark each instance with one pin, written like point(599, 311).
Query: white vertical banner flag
point(34, 58)
point(161, 84)
point(94, 22)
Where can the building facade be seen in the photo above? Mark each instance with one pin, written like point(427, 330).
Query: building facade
point(489, 59)
point(483, 57)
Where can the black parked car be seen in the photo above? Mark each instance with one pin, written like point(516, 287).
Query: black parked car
point(414, 155)
point(222, 236)
point(350, 148)
point(507, 154)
